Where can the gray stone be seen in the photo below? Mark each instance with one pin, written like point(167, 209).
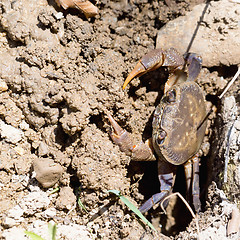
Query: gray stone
point(217, 38)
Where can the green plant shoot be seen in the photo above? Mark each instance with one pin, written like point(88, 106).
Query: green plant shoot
point(132, 207)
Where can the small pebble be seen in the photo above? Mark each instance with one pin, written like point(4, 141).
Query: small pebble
point(42, 149)
point(237, 124)
point(49, 213)
point(3, 86)
point(66, 199)
point(47, 171)
point(59, 15)
point(10, 133)
point(19, 150)
point(24, 126)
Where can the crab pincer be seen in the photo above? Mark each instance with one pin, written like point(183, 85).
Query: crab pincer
point(139, 152)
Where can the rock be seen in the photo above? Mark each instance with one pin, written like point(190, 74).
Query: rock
point(49, 213)
point(47, 171)
point(66, 199)
point(42, 149)
point(34, 202)
point(31, 204)
point(9, 222)
point(10, 234)
point(217, 39)
point(234, 223)
point(74, 231)
point(23, 125)
point(19, 150)
point(10, 133)
point(3, 86)
point(237, 124)
point(14, 217)
point(230, 110)
point(68, 232)
point(16, 212)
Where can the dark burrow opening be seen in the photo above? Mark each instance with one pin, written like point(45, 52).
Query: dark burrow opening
point(225, 71)
point(179, 217)
point(149, 185)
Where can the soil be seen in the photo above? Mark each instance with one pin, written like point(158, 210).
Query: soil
point(60, 73)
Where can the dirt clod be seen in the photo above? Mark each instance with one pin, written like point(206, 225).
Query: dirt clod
point(66, 199)
point(47, 172)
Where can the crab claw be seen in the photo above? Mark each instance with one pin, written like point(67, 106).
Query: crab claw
point(136, 72)
point(120, 137)
point(139, 152)
point(149, 62)
point(118, 131)
point(156, 58)
point(194, 64)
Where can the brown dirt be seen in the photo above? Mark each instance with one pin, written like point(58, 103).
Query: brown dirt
point(63, 73)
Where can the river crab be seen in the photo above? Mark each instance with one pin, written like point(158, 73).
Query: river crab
point(179, 124)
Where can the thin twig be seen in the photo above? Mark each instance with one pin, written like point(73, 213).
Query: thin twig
point(187, 205)
point(230, 83)
point(229, 140)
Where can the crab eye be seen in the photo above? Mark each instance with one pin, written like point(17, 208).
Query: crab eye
point(161, 137)
point(171, 96)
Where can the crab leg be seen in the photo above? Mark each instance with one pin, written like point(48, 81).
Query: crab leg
point(188, 175)
point(155, 59)
point(166, 175)
point(191, 168)
point(195, 185)
point(140, 152)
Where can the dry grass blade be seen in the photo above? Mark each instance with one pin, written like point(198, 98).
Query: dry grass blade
point(231, 82)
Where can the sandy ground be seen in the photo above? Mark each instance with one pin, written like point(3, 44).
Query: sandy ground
point(59, 75)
